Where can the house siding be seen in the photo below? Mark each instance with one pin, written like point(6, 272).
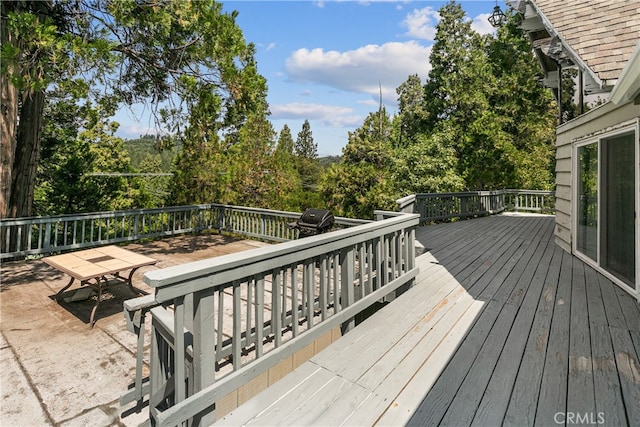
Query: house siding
point(590, 125)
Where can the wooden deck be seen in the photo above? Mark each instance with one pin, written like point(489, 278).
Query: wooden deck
point(502, 327)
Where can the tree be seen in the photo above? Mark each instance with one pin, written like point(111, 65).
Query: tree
point(286, 160)
point(427, 165)
point(255, 176)
point(69, 177)
point(525, 111)
point(201, 169)
point(307, 167)
point(413, 115)
point(482, 95)
point(304, 146)
point(362, 181)
point(285, 142)
point(170, 53)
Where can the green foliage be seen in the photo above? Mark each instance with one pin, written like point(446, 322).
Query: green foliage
point(255, 178)
point(68, 179)
point(427, 166)
point(149, 146)
point(413, 115)
point(362, 181)
point(357, 190)
point(304, 146)
point(479, 121)
point(181, 57)
point(483, 94)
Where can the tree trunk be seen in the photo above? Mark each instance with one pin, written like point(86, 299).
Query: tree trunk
point(8, 119)
point(27, 154)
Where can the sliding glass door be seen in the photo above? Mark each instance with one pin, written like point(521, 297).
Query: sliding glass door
point(606, 192)
point(587, 233)
point(618, 247)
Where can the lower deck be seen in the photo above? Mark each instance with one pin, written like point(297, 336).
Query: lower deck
point(501, 327)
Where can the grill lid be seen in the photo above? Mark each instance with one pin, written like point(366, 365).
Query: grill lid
point(316, 218)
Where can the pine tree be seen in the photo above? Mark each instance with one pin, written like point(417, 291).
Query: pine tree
point(362, 181)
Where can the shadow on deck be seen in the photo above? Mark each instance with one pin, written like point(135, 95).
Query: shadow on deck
point(54, 370)
point(502, 327)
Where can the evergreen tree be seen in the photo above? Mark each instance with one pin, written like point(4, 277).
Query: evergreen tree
point(68, 178)
point(412, 116)
point(427, 165)
point(304, 146)
point(285, 142)
point(307, 167)
point(362, 181)
point(481, 93)
point(201, 168)
point(255, 176)
point(287, 162)
point(524, 110)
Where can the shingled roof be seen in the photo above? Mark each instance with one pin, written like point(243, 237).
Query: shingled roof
point(598, 36)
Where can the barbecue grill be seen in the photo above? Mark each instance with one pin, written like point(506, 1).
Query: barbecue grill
point(313, 222)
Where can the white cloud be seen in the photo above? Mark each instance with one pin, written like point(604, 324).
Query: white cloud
point(362, 70)
point(132, 130)
point(369, 102)
point(421, 23)
point(329, 115)
point(271, 46)
point(481, 24)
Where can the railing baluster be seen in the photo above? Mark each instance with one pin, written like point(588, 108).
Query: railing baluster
point(284, 298)
point(179, 350)
point(276, 309)
point(323, 291)
point(293, 273)
point(336, 281)
point(309, 284)
point(220, 328)
point(259, 315)
point(248, 333)
point(346, 283)
point(236, 339)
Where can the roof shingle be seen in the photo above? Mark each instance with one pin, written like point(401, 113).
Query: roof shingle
point(603, 33)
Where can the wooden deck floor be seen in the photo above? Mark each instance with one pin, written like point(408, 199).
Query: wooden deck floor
point(555, 340)
point(502, 327)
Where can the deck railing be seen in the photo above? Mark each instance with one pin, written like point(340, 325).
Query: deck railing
point(281, 298)
point(445, 206)
point(43, 235)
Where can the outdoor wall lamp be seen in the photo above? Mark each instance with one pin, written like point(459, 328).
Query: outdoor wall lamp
point(497, 18)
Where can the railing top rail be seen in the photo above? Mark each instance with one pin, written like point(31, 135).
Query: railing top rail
point(168, 209)
point(461, 193)
point(183, 279)
point(536, 192)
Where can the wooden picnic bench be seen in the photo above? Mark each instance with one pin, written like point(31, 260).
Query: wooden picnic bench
point(94, 267)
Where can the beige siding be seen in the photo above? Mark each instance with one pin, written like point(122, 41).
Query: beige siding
point(563, 194)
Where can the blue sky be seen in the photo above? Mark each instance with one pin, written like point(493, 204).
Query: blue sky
point(325, 61)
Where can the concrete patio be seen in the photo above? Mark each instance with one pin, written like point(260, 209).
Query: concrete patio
point(54, 370)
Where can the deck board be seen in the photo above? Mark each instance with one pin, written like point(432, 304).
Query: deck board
point(502, 327)
point(495, 400)
point(580, 391)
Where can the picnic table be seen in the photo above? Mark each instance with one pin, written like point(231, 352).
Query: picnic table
point(98, 268)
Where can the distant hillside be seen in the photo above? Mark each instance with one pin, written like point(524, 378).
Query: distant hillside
point(146, 150)
point(327, 161)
